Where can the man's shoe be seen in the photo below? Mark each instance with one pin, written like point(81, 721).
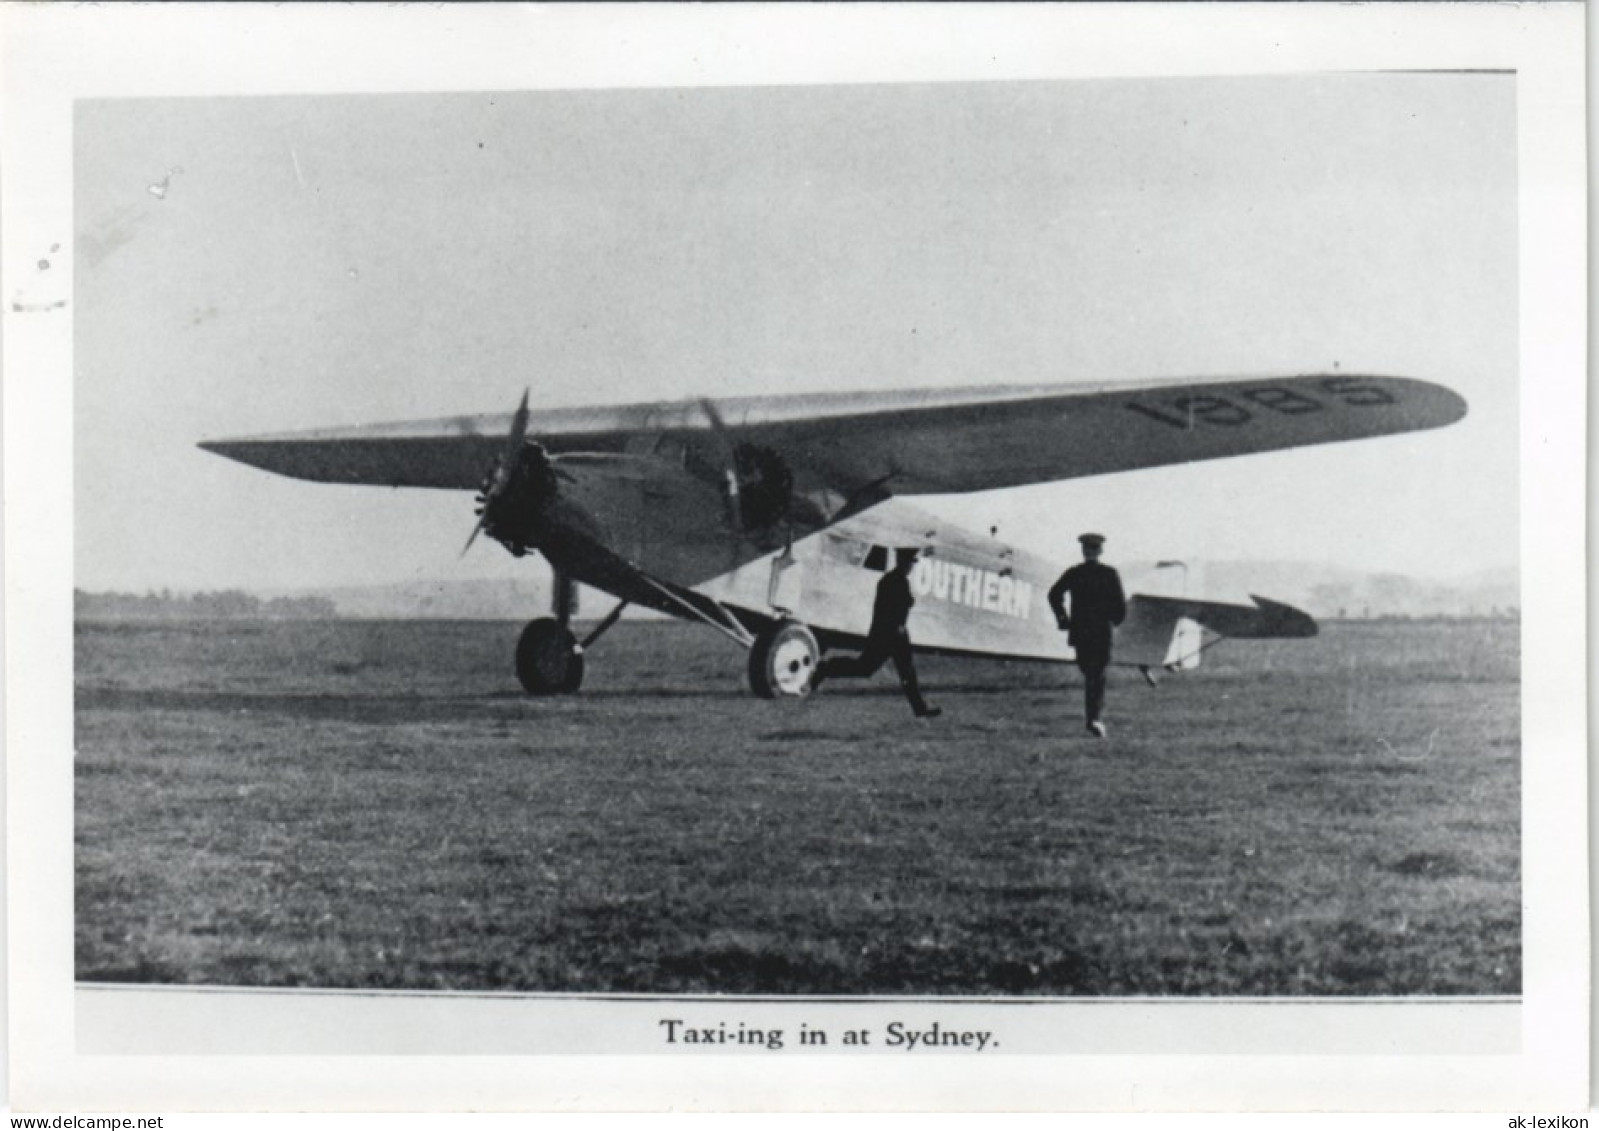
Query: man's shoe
point(1097, 729)
point(929, 712)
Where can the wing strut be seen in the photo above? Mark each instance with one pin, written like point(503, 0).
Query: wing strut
point(727, 624)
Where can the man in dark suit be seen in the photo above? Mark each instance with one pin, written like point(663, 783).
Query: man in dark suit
point(1098, 606)
point(887, 639)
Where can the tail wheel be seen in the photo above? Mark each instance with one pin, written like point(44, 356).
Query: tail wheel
point(783, 660)
point(548, 661)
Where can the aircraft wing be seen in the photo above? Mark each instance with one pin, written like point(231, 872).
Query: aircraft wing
point(928, 441)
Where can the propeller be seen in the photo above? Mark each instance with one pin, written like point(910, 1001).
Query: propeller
point(498, 480)
point(758, 489)
point(729, 454)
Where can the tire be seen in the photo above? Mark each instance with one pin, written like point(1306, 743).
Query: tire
point(783, 661)
point(548, 661)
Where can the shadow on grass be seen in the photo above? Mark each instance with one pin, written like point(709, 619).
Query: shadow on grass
point(418, 707)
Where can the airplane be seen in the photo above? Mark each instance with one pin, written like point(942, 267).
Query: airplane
point(771, 519)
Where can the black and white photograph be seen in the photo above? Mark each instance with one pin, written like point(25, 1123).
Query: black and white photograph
point(862, 559)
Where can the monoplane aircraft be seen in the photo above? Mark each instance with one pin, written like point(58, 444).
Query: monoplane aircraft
point(771, 519)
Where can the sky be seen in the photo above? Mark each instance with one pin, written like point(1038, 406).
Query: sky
point(261, 264)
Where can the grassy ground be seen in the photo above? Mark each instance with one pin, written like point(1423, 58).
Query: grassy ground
point(375, 804)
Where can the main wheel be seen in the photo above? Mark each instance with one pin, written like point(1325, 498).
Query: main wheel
point(783, 660)
point(548, 661)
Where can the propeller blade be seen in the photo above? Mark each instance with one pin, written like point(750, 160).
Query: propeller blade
point(500, 477)
point(729, 467)
point(714, 415)
point(513, 446)
point(519, 421)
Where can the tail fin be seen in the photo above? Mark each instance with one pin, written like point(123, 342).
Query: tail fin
point(1187, 644)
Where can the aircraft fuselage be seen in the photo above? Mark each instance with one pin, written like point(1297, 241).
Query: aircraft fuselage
point(616, 517)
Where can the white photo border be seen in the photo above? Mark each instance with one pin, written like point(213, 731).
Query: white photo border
point(54, 56)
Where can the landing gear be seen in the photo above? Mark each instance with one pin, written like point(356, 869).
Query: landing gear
point(548, 660)
point(782, 661)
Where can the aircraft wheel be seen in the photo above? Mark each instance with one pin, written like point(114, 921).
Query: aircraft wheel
point(548, 661)
point(783, 660)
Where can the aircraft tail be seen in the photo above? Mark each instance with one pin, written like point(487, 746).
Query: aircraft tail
point(1173, 632)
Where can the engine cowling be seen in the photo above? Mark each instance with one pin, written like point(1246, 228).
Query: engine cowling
point(513, 498)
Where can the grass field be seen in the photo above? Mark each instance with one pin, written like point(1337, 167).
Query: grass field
point(375, 804)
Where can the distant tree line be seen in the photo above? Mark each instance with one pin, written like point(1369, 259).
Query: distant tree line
point(226, 604)
point(1388, 596)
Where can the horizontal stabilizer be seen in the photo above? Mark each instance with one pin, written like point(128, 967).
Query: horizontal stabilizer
point(1264, 620)
point(1165, 631)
